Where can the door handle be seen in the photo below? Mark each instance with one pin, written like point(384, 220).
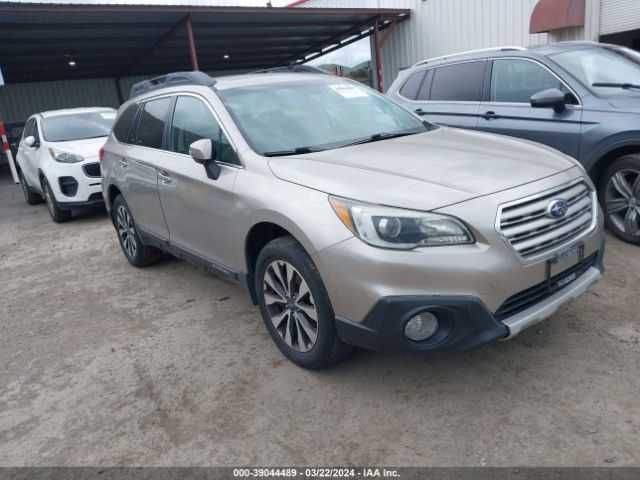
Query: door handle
point(164, 177)
point(490, 115)
point(419, 111)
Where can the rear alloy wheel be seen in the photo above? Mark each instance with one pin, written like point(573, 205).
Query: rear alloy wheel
point(58, 215)
point(138, 254)
point(621, 198)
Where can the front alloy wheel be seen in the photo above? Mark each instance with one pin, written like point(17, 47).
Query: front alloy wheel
point(290, 305)
point(295, 305)
point(622, 201)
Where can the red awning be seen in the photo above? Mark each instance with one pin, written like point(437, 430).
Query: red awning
point(551, 15)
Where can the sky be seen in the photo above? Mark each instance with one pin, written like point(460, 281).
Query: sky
point(348, 56)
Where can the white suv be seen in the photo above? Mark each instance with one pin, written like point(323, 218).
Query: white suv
point(58, 158)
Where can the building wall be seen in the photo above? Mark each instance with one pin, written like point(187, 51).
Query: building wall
point(439, 27)
point(619, 16)
point(21, 100)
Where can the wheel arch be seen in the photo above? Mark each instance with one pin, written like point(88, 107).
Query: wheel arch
point(112, 192)
point(258, 236)
point(603, 157)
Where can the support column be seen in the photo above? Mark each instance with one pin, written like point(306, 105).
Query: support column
point(192, 44)
point(119, 91)
point(378, 55)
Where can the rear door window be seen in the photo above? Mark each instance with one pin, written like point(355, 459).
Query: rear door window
point(123, 125)
point(412, 85)
point(152, 122)
point(461, 82)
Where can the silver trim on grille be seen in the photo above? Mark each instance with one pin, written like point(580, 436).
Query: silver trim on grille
point(525, 226)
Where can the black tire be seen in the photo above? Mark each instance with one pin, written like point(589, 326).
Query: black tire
point(31, 197)
point(58, 214)
point(137, 253)
point(620, 198)
point(327, 348)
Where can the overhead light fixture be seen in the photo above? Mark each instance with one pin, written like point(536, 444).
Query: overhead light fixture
point(225, 56)
point(72, 63)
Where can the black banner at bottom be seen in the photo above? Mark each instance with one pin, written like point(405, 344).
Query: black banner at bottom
point(248, 472)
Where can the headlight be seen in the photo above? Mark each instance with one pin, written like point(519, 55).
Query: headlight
point(65, 157)
point(400, 229)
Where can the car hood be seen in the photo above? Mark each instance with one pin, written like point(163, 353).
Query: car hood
point(629, 102)
point(88, 148)
point(424, 171)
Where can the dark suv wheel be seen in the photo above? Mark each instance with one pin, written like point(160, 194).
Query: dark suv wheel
point(295, 306)
point(620, 197)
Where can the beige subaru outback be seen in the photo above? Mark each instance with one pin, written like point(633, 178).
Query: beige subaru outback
point(350, 221)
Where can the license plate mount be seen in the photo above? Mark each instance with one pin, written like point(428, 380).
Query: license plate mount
point(576, 250)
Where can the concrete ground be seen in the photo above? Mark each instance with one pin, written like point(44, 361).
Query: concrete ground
point(105, 364)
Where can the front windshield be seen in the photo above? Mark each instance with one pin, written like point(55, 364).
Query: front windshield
point(314, 115)
point(80, 126)
point(601, 65)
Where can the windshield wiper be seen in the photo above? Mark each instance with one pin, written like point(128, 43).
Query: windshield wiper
point(624, 86)
point(376, 137)
point(293, 151)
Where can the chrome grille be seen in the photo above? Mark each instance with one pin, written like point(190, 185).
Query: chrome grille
point(531, 232)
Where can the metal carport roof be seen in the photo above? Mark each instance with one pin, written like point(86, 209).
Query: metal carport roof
point(40, 42)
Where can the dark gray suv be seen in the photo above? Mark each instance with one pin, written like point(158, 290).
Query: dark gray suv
point(581, 98)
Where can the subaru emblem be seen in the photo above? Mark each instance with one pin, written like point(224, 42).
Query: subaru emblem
point(557, 208)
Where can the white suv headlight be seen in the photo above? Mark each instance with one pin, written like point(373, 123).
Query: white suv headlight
point(65, 157)
point(400, 229)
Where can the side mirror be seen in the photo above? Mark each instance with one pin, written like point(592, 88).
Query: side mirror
point(30, 141)
point(204, 152)
point(551, 98)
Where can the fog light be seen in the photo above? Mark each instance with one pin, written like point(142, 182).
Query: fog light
point(421, 326)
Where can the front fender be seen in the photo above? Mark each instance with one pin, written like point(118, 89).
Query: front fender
point(610, 144)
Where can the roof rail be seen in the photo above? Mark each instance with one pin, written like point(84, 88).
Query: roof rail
point(469, 52)
point(293, 69)
point(171, 80)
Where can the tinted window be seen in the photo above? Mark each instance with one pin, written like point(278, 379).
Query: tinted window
point(78, 126)
point(460, 83)
point(152, 121)
point(515, 81)
point(192, 120)
point(425, 89)
point(412, 85)
point(123, 124)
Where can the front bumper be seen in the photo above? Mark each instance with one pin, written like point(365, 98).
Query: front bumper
point(73, 187)
point(464, 322)
point(473, 284)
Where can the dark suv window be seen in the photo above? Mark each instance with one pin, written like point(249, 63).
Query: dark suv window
point(153, 117)
point(123, 125)
point(192, 120)
point(461, 82)
point(515, 81)
point(412, 85)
